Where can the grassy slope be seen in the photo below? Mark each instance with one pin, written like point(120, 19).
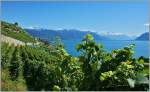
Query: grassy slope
point(15, 31)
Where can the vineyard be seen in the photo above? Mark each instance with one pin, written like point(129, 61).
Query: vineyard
point(14, 31)
point(52, 68)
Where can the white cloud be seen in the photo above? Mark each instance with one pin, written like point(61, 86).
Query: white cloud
point(59, 28)
point(116, 34)
point(33, 27)
point(110, 33)
point(103, 33)
point(146, 24)
point(30, 27)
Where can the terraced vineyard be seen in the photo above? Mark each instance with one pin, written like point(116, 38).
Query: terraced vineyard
point(22, 62)
point(15, 31)
point(31, 68)
point(52, 68)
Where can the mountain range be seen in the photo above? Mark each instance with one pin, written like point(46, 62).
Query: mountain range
point(64, 34)
point(71, 34)
point(119, 37)
point(144, 36)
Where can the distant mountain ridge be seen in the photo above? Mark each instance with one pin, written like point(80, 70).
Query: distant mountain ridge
point(119, 37)
point(72, 34)
point(64, 34)
point(144, 36)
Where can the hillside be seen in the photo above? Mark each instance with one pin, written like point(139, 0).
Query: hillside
point(11, 40)
point(64, 34)
point(15, 31)
point(144, 36)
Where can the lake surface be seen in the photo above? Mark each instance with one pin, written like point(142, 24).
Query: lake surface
point(141, 49)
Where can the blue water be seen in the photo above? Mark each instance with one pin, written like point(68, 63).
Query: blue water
point(141, 49)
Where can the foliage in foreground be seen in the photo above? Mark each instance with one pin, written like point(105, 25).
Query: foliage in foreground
point(31, 68)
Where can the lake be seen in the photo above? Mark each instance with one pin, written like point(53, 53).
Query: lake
point(141, 49)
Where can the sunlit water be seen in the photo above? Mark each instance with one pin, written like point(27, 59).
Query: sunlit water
point(141, 49)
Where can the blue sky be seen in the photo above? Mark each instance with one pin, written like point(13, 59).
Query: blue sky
point(129, 18)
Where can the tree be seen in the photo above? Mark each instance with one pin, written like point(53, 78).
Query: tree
point(16, 23)
point(91, 58)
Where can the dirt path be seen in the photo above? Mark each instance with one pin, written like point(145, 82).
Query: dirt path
point(11, 40)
